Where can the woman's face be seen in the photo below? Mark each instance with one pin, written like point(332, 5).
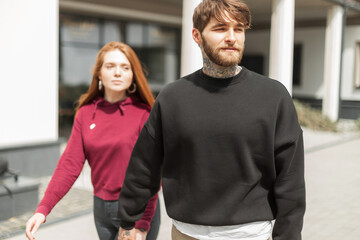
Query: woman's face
point(116, 74)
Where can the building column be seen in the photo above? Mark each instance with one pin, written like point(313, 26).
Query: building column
point(191, 57)
point(333, 45)
point(29, 72)
point(282, 42)
point(29, 83)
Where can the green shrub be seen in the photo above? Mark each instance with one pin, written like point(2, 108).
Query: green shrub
point(358, 123)
point(313, 118)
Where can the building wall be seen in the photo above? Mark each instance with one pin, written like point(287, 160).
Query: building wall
point(257, 42)
point(29, 72)
point(29, 67)
point(164, 11)
point(312, 65)
point(312, 40)
point(352, 37)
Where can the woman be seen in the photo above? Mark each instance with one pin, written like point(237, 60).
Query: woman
point(108, 120)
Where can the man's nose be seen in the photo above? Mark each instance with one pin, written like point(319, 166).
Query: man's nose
point(230, 37)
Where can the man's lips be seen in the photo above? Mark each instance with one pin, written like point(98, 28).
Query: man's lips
point(230, 49)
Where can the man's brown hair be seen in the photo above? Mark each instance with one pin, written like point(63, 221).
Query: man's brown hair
point(218, 9)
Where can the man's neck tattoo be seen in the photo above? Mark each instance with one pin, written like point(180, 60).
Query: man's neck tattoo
point(216, 71)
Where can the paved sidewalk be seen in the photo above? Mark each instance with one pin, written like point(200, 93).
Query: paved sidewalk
point(333, 191)
point(333, 196)
point(77, 202)
point(82, 227)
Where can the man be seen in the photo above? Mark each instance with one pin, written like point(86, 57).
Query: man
point(225, 143)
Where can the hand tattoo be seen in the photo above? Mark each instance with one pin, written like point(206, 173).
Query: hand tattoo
point(125, 234)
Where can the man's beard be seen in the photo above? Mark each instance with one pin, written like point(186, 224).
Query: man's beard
point(221, 58)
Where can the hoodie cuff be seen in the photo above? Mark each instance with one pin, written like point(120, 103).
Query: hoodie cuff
point(143, 225)
point(43, 210)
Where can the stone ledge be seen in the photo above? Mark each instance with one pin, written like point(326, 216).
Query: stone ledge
point(23, 196)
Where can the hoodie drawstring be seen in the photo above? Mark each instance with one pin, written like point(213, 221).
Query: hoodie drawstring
point(96, 105)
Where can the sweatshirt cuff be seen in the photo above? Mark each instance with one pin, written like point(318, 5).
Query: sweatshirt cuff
point(127, 225)
point(143, 225)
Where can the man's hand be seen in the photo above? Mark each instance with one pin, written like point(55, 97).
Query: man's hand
point(33, 225)
point(133, 234)
point(127, 234)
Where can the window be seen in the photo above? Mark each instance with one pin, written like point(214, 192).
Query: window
point(357, 66)
point(79, 30)
point(79, 44)
point(297, 65)
point(81, 37)
point(254, 63)
point(80, 40)
point(157, 48)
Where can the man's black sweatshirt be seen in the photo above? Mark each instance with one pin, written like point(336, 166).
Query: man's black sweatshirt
point(227, 151)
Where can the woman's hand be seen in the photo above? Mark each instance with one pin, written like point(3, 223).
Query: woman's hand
point(141, 234)
point(33, 224)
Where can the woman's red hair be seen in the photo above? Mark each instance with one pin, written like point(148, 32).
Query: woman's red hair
point(143, 91)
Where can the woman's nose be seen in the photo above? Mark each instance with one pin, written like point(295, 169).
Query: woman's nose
point(117, 71)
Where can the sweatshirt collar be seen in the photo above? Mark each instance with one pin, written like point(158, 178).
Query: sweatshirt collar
point(221, 82)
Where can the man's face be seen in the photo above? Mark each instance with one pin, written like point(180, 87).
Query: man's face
point(223, 42)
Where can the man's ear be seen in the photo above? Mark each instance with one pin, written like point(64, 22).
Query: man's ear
point(197, 36)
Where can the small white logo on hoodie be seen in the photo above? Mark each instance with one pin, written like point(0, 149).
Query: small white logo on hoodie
point(92, 126)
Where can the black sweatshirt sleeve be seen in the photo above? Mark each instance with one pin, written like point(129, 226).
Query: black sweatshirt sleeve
point(142, 180)
point(289, 187)
point(290, 191)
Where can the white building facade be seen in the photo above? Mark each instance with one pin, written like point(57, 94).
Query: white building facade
point(48, 48)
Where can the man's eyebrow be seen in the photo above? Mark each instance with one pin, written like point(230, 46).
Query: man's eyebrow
point(221, 24)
